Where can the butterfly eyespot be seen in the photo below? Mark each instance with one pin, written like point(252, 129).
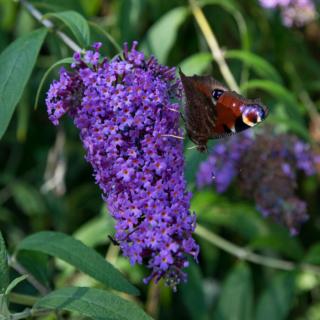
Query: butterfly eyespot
point(213, 111)
point(216, 94)
point(253, 114)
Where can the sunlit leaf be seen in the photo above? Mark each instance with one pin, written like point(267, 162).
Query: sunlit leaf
point(91, 7)
point(161, 36)
point(16, 64)
point(196, 64)
point(95, 231)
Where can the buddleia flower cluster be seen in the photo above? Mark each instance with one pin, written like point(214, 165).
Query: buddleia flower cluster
point(293, 12)
point(266, 167)
point(125, 112)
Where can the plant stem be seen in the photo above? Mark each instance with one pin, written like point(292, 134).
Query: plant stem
point(22, 299)
point(28, 313)
point(247, 255)
point(213, 45)
point(47, 23)
point(14, 264)
point(153, 298)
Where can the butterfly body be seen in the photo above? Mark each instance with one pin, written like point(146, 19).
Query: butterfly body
point(212, 111)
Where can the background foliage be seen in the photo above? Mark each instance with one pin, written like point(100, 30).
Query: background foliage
point(45, 183)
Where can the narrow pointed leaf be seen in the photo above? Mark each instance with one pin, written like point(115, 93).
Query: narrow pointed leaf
point(196, 64)
point(4, 269)
point(94, 303)
point(16, 64)
point(276, 302)
point(162, 35)
point(192, 294)
point(80, 256)
point(236, 298)
point(261, 67)
point(45, 76)
point(15, 282)
point(76, 23)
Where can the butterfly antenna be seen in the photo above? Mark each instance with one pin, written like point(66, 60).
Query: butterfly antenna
point(193, 147)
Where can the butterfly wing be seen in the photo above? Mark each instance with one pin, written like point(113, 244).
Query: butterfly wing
point(236, 113)
point(200, 111)
point(212, 111)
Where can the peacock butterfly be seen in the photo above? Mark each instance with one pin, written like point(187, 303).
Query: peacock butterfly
point(212, 111)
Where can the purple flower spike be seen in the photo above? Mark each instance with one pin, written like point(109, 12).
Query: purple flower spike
point(123, 109)
point(293, 12)
point(266, 167)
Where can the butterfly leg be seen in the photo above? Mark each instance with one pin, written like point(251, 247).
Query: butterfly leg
point(173, 136)
point(182, 116)
point(114, 241)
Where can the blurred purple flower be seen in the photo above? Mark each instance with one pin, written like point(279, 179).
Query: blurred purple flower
point(222, 163)
point(123, 109)
point(294, 12)
point(266, 167)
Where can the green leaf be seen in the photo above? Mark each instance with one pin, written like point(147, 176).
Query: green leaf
point(94, 303)
point(58, 63)
point(94, 231)
point(37, 264)
point(275, 89)
point(4, 311)
point(196, 64)
point(281, 94)
point(15, 282)
point(76, 23)
point(193, 294)
point(232, 8)
point(91, 7)
point(28, 198)
point(77, 254)
point(4, 269)
point(107, 35)
point(313, 255)
point(16, 64)
point(238, 216)
point(235, 300)
point(276, 302)
point(130, 19)
point(162, 35)
point(279, 240)
point(23, 112)
point(261, 67)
